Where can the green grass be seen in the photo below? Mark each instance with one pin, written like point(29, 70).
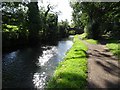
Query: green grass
point(8, 28)
point(72, 32)
point(83, 36)
point(114, 48)
point(71, 73)
point(92, 41)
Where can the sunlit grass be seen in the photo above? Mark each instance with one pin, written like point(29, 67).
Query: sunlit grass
point(8, 28)
point(92, 41)
point(72, 32)
point(83, 36)
point(114, 48)
point(71, 73)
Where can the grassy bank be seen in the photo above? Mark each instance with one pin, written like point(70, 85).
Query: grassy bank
point(71, 73)
point(83, 36)
point(114, 48)
point(91, 41)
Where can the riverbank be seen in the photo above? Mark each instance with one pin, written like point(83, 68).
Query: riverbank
point(72, 72)
point(32, 67)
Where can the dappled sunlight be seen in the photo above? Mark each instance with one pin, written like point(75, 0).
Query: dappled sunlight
point(48, 44)
point(69, 74)
point(39, 79)
point(34, 66)
point(69, 80)
point(47, 54)
point(49, 60)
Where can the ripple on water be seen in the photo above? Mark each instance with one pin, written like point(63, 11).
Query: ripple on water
point(19, 65)
point(47, 54)
point(39, 79)
point(48, 62)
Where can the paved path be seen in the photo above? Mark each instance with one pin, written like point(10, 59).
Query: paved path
point(103, 68)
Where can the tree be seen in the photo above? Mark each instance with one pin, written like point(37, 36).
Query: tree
point(52, 21)
point(33, 22)
point(62, 28)
point(14, 24)
point(94, 16)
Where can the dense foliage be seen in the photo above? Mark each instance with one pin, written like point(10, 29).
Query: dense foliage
point(24, 23)
point(114, 47)
point(98, 19)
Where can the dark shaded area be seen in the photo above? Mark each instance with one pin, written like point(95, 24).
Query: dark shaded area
point(112, 86)
point(104, 41)
point(102, 54)
point(16, 44)
point(23, 66)
point(30, 27)
point(115, 85)
point(105, 55)
point(77, 30)
point(112, 69)
point(76, 57)
point(70, 81)
point(92, 86)
point(19, 70)
point(98, 20)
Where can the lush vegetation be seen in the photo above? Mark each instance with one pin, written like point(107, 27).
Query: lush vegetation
point(25, 24)
point(84, 36)
point(72, 72)
point(114, 48)
point(100, 22)
point(98, 19)
point(92, 41)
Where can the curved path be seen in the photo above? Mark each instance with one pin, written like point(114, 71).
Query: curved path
point(103, 68)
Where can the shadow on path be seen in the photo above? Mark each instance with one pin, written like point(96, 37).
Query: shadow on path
point(103, 68)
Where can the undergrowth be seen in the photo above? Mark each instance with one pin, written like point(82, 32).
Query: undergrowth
point(114, 48)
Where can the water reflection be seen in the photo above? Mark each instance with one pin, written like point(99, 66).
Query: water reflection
point(39, 79)
point(62, 48)
point(18, 68)
point(48, 62)
point(47, 54)
point(32, 67)
point(10, 58)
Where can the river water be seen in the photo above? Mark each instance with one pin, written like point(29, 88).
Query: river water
point(33, 67)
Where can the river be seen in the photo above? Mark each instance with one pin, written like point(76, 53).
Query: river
point(33, 67)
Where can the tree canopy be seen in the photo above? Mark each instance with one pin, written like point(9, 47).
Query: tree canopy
point(97, 18)
point(24, 23)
